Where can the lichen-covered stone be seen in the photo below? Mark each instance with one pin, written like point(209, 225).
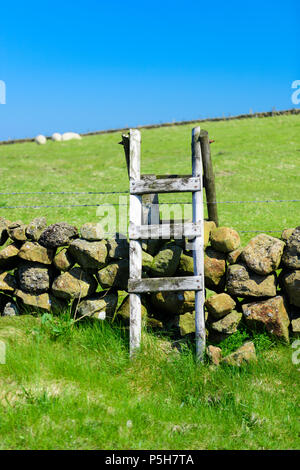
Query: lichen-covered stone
point(10, 310)
point(36, 228)
point(114, 275)
point(186, 265)
point(285, 235)
point(209, 226)
point(214, 354)
point(33, 278)
point(123, 312)
point(33, 251)
point(91, 255)
point(4, 223)
point(74, 284)
point(99, 306)
point(220, 305)
point(291, 252)
point(9, 256)
point(92, 232)
point(186, 323)
point(166, 261)
point(291, 283)
point(118, 248)
point(214, 269)
point(147, 261)
point(7, 282)
point(225, 239)
point(270, 314)
point(174, 303)
point(242, 282)
point(242, 355)
point(295, 323)
point(63, 260)
point(263, 254)
point(234, 256)
point(43, 301)
point(59, 234)
point(228, 324)
point(17, 231)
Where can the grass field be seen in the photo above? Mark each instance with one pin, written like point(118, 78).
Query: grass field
point(254, 159)
point(70, 386)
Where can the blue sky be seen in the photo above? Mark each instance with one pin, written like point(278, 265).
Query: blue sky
point(91, 65)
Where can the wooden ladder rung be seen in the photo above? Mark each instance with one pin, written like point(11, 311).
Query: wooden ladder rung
point(159, 284)
point(168, 185)
point(164, 231)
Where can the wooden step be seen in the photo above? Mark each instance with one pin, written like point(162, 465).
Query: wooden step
point(160, 284)
point(168, 185)
point(164, 231)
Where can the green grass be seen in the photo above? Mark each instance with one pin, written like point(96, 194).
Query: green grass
point(254, 159)
point(70, 386)
point(81, 392)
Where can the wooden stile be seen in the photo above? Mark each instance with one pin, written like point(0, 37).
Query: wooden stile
point(145, 224)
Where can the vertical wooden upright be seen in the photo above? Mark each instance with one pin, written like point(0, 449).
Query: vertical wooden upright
point(135, 247)
point(198, 245)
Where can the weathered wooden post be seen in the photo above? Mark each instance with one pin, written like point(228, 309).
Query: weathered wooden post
point(209, 178)
point(135, 246)
point(198, 247)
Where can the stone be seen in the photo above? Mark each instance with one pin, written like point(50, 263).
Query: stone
point(165, 263)
point(225, 239)
point(174, 303)
point(35, 228)
point(17, 231)
point(152, 246)
point(147, 261)
point(234, 256)
point(186, 265)
point(186, 323)
point(100, 306)
point(123, 312)
point(242, 355)
point(291, 253)
point(220, 305)
point(263, 254)
point(40, 139)
point(114, 275)
point(154, 324)
point(7, 282)
point(118, 248)
point(33, 251)
point(291, 283)
point(33, 278)
point(56, 137)
point(214, 269)
point(44, 301)
point(286, 234)
point(214, 354)
point(9, 256)
point(295, 324)
point(92, 232)
point(10, 310)
point(89, 255)
point(63, 259)
point(74, 284)
point(270, 314)
point(4, 223)
point(59, 234)
point(228, 324)
point(70, 136)
point(209, 226)
point(242, 282)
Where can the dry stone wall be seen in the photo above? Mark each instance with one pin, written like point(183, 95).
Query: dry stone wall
point(50, 268)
